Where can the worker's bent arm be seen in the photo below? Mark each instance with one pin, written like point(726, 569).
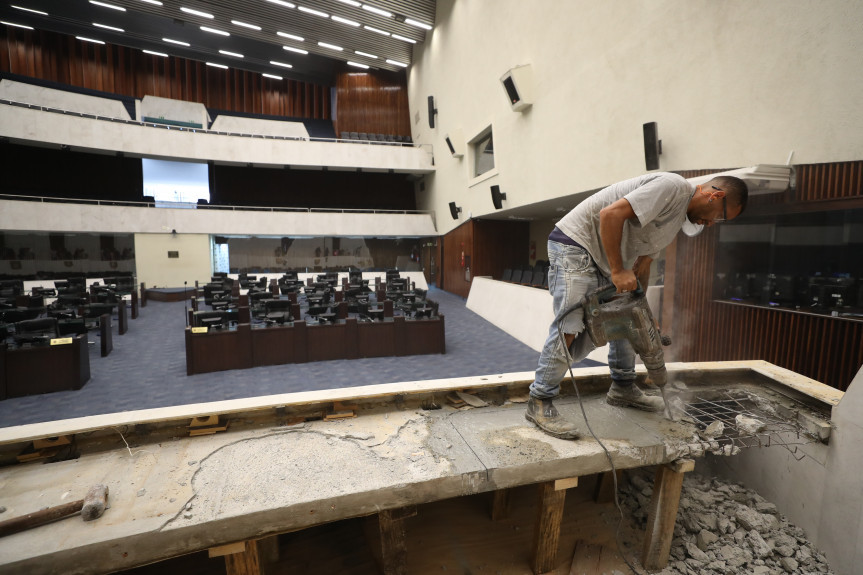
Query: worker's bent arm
point(611, 220)
point(641, 269)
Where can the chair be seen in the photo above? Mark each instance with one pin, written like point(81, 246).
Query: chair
point(277, 311)
point(506, 275)
point(537, 279)
point(362, 136)
point(516, 276)
point(36, 331)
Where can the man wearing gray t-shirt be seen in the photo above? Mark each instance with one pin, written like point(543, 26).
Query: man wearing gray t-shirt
point(612, 237)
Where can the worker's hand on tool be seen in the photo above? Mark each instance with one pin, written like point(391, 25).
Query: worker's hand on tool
point(624, 280)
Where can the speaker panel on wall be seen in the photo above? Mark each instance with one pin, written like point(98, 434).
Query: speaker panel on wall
point(652, 146)
point(454, 210)
point(432, 112)
point(518, 85)
point(497, 197)
point(455, 142)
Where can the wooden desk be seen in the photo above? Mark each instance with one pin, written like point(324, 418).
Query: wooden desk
point(34, 370)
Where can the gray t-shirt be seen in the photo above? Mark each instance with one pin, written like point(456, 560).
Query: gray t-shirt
point(659, 200)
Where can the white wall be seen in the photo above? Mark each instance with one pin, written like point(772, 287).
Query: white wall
point(731, 84)
point(156, 269)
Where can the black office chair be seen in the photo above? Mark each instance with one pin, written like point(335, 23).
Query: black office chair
point(36, 331)
point(277, 311)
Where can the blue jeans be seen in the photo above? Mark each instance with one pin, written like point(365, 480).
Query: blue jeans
point(571, 275)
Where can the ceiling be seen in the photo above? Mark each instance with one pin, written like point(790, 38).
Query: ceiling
point(366, 36)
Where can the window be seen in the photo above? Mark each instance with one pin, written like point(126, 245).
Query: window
point(173, 184)
point(483, 153)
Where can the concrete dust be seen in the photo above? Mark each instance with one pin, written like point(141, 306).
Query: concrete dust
point(516, 446)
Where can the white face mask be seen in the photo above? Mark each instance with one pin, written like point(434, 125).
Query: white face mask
point(691, 229)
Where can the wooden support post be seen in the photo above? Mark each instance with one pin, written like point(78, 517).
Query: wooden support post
point(500, 504)
point(663, 512)
point(394, 550)
point(547, 529)
point(245, 562)
point(604, 492)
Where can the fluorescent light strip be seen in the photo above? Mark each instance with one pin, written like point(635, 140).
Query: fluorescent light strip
point(273, 76)
point(397, 37)
point(217, 65)
point(280, 3)
point(108, 27)
point(365, 54)
point(162, 54)
point(197, 12)
point(291, 36)
point(16, 25)
point(157, 3)
point(244, 25)
point(214, 31)
point(346, 21)
point(330, 46)
point(376, 30)
point(315, 12)
point(417, 24)
point(297, 50)
point(83, 39)
point(176, 42)
point(393, 62)
point(363, 66)
point(111, 6)
point(282, 64)
point(234, 54)
point(29, 10)
point(378, 11)
point(353, 3)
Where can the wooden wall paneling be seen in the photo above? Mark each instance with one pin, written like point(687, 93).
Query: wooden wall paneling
point(498, 245)
point(458, 240)
point(829, 181)
point(372, 102)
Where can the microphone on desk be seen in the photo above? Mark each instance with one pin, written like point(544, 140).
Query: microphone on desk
point(185, 304)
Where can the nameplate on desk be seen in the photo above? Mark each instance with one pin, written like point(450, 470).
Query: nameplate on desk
point(199, 329)
point(61, 340)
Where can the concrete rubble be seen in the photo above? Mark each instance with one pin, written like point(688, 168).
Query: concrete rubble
point(723, 528)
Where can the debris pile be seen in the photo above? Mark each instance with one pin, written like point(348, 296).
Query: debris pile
point(723, 528)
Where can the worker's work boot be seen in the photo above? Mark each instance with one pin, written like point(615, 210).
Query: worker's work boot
point(544, 414)
point(632, 396)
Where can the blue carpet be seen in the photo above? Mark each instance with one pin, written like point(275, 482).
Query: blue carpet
point(147, 367)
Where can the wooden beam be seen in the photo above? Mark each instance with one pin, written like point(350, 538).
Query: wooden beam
point(500, 504)
point(566, 483)
point(663, 513)
point(247, 562)
point(547, 529)
point(604, 491)
point(394, 550)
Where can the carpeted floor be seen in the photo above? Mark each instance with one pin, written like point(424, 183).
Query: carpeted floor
point(147, 367)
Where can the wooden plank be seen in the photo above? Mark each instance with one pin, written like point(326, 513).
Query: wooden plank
point(229, 549)
point(547, 528)
point(246, 563)
point(566, 483)
point(393, 542)
point(500, 504)
point(661, 517)
point(604, 490)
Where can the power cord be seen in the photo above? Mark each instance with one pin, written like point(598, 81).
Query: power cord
point(602, 445)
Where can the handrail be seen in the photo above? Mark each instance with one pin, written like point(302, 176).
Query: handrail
point(186, 205)
point(206, 131)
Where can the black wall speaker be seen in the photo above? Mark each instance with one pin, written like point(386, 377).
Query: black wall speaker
point(497, 198)
point(454, 210)
point(432, 112)
point(652, 146)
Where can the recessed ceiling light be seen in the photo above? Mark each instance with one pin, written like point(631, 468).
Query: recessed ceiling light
point(273, 76)
point(244, 25)
point(175, 42)
point(214, 31)
point(397, 37)
point(16, 25)
point(346, 21)
point(106, 5)
point(315, 12)
point(282, 64)
point(417, 24)
point(397, 63)
point(353, 3)
point(162, 54)
point(157, 3)
point(82, 38)
point(297, 50)
point(330, 46)
point(376, 30)
point(108, 27)
point(291, 36)
point(358, 65)
point(197, 12)
point(234, 54)
point(217, 65)
point(280, 3)
point(378, 11)
point(365, 54)
point(29, 10)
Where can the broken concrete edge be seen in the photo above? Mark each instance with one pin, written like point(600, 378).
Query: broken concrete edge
point(31, 432)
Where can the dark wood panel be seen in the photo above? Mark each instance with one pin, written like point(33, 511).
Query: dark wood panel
point(498, 245)
point(457, 242)
point(829, 181)
point(124, 71)
point(374, 102)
